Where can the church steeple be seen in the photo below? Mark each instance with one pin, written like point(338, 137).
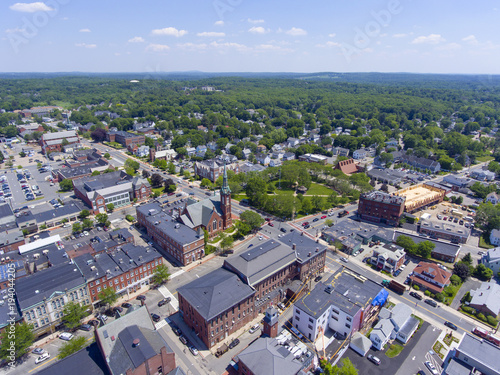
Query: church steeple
point(225, 190)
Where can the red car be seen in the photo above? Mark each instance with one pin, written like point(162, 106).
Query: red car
point(271, 224)
point(305, 223)
point(323, 217)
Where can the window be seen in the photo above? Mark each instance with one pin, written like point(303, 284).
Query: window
point(348, 319)
point(309, 326)
point(297, 318)
point(98, 289)
point(348, 325)
point(214, 225)
point(310, 320)
point(335, 318)
point(297, 312)
point(335, 311)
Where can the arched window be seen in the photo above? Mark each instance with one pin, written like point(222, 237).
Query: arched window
point(214, 225)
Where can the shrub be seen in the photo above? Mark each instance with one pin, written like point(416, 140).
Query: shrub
point(492, 321)
point(481, 316)
point(468, 310)
point(439, 297)
point(427, 293)
point(416, 287)
point(455, 280)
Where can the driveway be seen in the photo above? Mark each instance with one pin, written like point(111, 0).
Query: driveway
point(470, 284)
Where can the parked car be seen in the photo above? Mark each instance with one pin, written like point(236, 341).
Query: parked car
point(42, 358)
point(66, 336)
point(271, 224)
point(254, 328)
point(177, 331)
point(373, 359)
point(345, 260)
point(318, 278)
point(431, 368)
point(305, 223)
point(315, 219)
point(183, 340)
point(94, 322)
point(164, 301)
point(85, 327)
point(126, 305)
point(38, 351)
point(307, 226)
point(118, 309)
point(156, 317)
point(397, 272)
point(141, 297)
point(450, 325)
point(234, 343)
point(416, 295)
point(323, 217)
point(431, 302)
point(193, 350)
point(283, 230)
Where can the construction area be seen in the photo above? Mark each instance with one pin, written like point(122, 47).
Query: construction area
point(421, 196)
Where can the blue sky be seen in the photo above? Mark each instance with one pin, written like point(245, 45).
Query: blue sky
point(426, 36)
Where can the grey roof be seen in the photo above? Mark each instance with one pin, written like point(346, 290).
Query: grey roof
point(383, 328)
point(10, 237)
point(59, 135)
point(116, 339)
point(69, 209)
point(198, 213)
point(5, 212)
point(440, 248)
point(361, 341)
point(480, 350)
point(266, 357)
point(303, 245)
point(349, 292)
point(111, 180)
point(87, 361)
point(400, 314)
point(488, 295)
point(81, 170)
point(31, 290)
point(215, 292)
point(457, 367)
point(409, 326)
point(259, 262)
point(179, 232)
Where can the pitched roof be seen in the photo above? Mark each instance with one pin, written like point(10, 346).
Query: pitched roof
point(432, 270)
point(215, 292)
point(199, 212)
point(488, 295)
point(266, 357)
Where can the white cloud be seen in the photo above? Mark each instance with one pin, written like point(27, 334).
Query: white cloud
point(15, 30)
point(402, 35)
point(193, 46)
point(255, 21)
point(471, 39)
point(430, 39)
point(272, 47)
point(30, 7)
point(296, 31)
point(332, 35)
point(329, 44)
point(157, 47)
point(219, 23)
point(136, 39)
point(449, 47)
point(85, 45)
point(228, 45)
point(258, 30)
point(170, 31)
point(85, 30)
point(213, 34)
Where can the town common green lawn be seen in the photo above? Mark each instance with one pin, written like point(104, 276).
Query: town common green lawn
point(317, 189)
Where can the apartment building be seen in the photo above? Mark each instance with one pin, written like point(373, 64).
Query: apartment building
point(380, 207)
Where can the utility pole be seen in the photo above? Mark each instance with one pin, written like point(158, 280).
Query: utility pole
point(279, 180)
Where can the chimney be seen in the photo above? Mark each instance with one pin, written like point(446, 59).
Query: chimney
point(317, 249)
point(309, 254)
point(136, 343)
point(294, 246)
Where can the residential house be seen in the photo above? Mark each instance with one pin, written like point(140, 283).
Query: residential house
point(482, 175)
point(493, 198)
point(492, 257)
point(246, 153)
point(275, 163)
point(392, 143)
point(339, 151)
point(396, 323)
point(486, 299)
point(473, 355)
point(430, 276)
point(261, 148)
point(263, 159)
point(288, 156)
point(314, 158)
point(360, 154)
point(388, 257)
point(142, 151)
point(191, 151)
point(291, 142)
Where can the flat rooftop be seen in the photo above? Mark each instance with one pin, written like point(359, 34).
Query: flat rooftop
point(379, 196)
point(419, 195)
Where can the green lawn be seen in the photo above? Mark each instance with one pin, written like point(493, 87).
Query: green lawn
point(317, 189)
point(484, 243)
point(482, 159)
point(394, 350)
point(284, 192)
point(239, 197)
point(159, 190)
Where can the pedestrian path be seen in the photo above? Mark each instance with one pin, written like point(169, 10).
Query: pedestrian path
point(166, 293)
point(160, 324)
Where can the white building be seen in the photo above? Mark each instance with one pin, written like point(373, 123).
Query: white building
point(493, 198)
point(393, 324)
point(492, 257)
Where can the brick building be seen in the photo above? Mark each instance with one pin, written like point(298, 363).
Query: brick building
point(180, 241)
point(213, 168)
point(347, 166)
point(126, 270)
point(117, 187)
point(223, 301)
point(380, 207)
point(125, 138)
point(53, 142)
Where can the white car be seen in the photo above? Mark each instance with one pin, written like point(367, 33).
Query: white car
point(42, 358)
point(254, 328)
point(86, 233)
point(431, 368)
point(66, 336)
point(261, 238)
point(345, 260)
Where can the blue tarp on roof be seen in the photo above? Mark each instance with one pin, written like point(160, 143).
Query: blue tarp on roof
point(380, 299)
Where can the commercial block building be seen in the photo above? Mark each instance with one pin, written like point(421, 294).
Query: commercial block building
point(117, 187)
point(380, 207)
point(442, 229)
point(474, 355)
point(125, 138)
point(53, 142)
